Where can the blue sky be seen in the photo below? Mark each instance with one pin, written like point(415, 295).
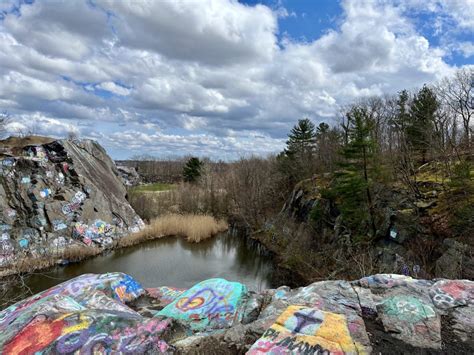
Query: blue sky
point(307, 20)
point(219, 78)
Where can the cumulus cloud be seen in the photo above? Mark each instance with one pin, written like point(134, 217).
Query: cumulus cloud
point(214, 32)
point(40, 125)
point(58, 28)
point(208, 77)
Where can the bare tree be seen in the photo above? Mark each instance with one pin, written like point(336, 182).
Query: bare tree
point(458, 93)
point(252, 186)
point(4, 119)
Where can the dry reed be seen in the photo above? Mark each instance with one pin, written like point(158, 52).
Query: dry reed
point(194, 228)
point(29, 264)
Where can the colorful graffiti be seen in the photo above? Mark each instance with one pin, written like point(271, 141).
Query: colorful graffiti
point(165, 295)
point(99, 232)
point(89, 331)
point(45, 193)
point(60, 178)
point(76, 201)
point(58, 225)
point(447, 294)
point(407, 308)
point(87, 314)
point(211, 303)
point(302, 330)
point(385, 281)
point(37, 153)
point(23, 243)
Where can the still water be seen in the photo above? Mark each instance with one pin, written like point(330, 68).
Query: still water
point(174, 262)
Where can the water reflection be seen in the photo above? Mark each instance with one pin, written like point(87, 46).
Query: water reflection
point(174, 262)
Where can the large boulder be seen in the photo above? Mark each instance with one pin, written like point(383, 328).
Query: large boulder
point(58, 194)
point(112, 313)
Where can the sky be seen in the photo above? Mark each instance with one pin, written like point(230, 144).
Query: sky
point(216, 78)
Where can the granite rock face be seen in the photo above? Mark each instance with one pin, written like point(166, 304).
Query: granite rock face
point(58, 194)
point(113, 313)
point(129, 175)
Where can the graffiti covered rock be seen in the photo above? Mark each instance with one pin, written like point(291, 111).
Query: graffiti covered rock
point(113, 313)
point(59, 194)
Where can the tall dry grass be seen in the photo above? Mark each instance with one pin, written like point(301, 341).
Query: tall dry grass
point(194, 228)
point(73, 253)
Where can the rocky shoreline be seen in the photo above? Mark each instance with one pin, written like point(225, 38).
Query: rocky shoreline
point(59, 199)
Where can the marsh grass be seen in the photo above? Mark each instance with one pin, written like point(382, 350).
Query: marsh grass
point(194, 228)
point(71, 254)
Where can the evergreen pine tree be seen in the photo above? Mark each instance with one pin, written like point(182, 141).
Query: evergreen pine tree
point(192, 170)
point(302, 139)
point(354, 181)
point(421, 126)
point(296, 160)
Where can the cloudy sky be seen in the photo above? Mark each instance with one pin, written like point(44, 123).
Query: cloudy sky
point(219, 78)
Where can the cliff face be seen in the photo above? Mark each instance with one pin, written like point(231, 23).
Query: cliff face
point(407, 230)
point(58, 194)
point(112, 313)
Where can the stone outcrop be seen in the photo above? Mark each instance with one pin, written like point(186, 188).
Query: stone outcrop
point(56, 194)
point(113, 313)
point(129, 175)
point(455, 261)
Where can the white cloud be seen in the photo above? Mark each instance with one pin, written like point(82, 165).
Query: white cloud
point(214, 32)
point(114, 88)
point(58, 29)
point(466, 48)
point(38, 124)
point(208, 76)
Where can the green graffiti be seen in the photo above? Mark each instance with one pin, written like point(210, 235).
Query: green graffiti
point(408, 308)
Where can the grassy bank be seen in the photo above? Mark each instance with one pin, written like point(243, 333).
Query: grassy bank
point(156, 187)
point(194, 228)
point(29, 264)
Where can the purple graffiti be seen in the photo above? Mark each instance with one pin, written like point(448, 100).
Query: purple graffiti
point(71, 342)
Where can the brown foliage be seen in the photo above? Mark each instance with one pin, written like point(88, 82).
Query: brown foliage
point(194, 228)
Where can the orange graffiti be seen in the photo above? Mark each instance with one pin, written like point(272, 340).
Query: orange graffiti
point(185, 304)
point(35, 337)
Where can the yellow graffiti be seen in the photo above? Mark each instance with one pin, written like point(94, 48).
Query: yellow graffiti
point(184, 304)
point(332, 334)
point(84, 324)
point(121, 292)
point(334, 328)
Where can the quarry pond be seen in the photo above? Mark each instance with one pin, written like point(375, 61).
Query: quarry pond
point(172, 261)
